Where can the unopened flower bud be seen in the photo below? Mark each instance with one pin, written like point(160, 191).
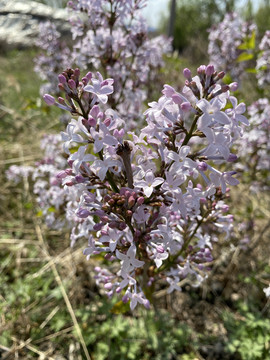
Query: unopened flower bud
point(89, 76)
point(113, 225)
point(131, 201)
point(92, 122)
point(49, 99)
point(186, 106)
point(221, 75)
point(187, 73)
point(232, 158)
point(62, 79)
point(225, 88)
point(97, 226)
point(140, 200)
point(72, 84)
point(233, 86)
point(202, 166)
point(61, 100)
point(129, 213)
point(62, 174)
point(201, 70)
point(209, 71)
point(83, 213)
point(160, 249)
point(125, 299)
point(80, 179)
point(122, 226)
point(69, 183)
point(107, 122)
point(77, 73)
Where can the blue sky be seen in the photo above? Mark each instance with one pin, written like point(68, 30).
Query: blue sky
point(154, 10)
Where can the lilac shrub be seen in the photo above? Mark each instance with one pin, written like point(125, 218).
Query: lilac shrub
point(151, 202)
point(263, 61)
point(56, 56)
point(57, 205)
point(110, 37)
point(254, 146)
point(225, 42)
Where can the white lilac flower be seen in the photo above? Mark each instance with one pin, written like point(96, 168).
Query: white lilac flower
point(128, 260)
point(149, 183)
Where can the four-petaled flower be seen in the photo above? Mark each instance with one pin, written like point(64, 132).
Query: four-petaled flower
point(100, 88)
point(149, 183)
point(129, 262)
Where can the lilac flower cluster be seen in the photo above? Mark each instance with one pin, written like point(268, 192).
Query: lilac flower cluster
point(263, 61)
point(110, 37)
point(151, 202)
point(254, 146)
point(57, 206)
point(56, 56)
point(224, 41)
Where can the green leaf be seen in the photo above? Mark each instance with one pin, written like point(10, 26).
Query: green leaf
point(249, 43)
point(251, 71)
point(120, 308)
point(244, 57)
point(39, 213)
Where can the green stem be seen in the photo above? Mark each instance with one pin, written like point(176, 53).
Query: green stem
point(190, 133)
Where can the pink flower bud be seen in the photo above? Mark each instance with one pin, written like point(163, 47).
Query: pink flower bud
point(62, 174)
point(233, 86)
point(54, 181)
point(69, 171)
point(160, 249)
point(72, 84)
point(125, 299)
point(129, 213)
point(140, 200)
point(187, 73)
point(225, 88)
point(225, 208)
point(232, 158)
point(80, 179)
point(202, 166)
point(122, 226)
point(92, 122)
point(84, 81)
point(69, 183)
point(49, 99)
point(209, 71)
point(77, 72)
point(61, 100)
point(186, 106)
point(98, 226)
point(83, 213)
point(221, 74)
point(107, 122)
point(108, 286)
point(89, 75)
point(131, 201)
point(62, 79)
point(201, 70)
